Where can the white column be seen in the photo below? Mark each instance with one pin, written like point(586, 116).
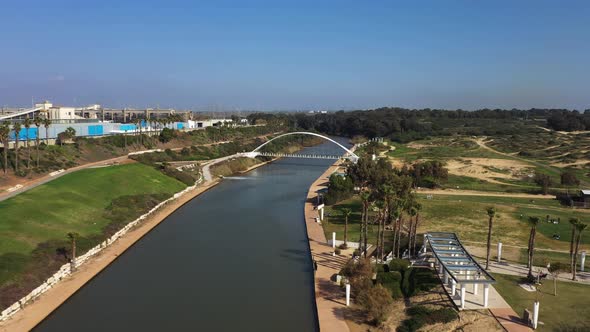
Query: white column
point(535, 314)
point(582, 261)
point(334, 243)
point(453, 287)
point(440, 267)
point(424, 243)
point(445, 277)
point(462, 295)
point(347, 295)
point(499, 251)
point(322, 214)
point(486, 295)
point(474, 289)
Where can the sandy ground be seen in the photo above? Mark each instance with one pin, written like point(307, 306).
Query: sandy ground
point(477, 168)
point(458, 192)
point(578, 162)
point(35, 312)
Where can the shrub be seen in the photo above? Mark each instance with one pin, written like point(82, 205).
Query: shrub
point(339, 188)
point(418, 279)
point(381, 268)
point(391, 281)
point(376, 302)
point(178, 175)
point(359, 274)
point(568, 178)
point(343, 246)
point(337, 251)
point(398, 264)
point(166, 135)
point(422, 316)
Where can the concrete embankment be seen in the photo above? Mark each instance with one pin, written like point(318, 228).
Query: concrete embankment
point(329, 297)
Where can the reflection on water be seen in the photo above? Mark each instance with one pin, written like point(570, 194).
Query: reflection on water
point(234, 258)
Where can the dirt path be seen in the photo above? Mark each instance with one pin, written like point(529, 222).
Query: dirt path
point(460, 192)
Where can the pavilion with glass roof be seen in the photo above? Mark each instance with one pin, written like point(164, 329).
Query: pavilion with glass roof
point(456, 267)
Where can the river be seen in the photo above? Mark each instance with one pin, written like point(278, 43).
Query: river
point(234, 258)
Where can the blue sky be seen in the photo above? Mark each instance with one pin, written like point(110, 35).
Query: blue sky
point(296, 54)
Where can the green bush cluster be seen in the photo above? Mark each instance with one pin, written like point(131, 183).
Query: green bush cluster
point(421, 316)
point(339, 189)
point(392, 282)
point(416, 280)
point(183, 177)
point(399, 265)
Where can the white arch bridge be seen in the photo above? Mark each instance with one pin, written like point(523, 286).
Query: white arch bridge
point(347, 155)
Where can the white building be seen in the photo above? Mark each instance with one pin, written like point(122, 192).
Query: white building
point(196, 124)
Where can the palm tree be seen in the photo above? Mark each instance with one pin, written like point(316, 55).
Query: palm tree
point(491, 214)
point(363, 234)
point(37, 121)
point(73, 236)
point(27, 123)
point(418, 207)
point(346, 212)
point(4, 132)
point(46, 124)
point(412, 212)
point(573, 222)
point(579, 229)
point(138, 122)
point(379, 206)
point(533, 222)
point(16, 127)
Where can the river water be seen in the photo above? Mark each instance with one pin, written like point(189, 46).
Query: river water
point(234, 258)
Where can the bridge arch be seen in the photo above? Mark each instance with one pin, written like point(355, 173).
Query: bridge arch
point(352, 154)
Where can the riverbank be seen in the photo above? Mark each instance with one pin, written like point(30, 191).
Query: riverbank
point(330, 298)
point(33, 313)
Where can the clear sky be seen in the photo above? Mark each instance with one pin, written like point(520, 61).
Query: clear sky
point(296, 54)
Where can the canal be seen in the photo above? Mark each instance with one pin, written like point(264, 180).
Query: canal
point(234, 258)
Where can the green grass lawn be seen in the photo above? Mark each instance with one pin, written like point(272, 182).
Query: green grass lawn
point(74, 203)
point(570, 308)
point(466, 215)
point(334, 221)
point(443, 147)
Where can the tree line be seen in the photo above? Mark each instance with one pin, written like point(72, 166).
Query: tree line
point(401, 124)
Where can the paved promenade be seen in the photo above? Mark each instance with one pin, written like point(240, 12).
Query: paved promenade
point(330, 298)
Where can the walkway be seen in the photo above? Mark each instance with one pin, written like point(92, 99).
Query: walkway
point(521, 270)
point(330, 298)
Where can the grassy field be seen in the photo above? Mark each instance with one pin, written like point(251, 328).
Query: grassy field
point(569, 309)
point(443, 147)
point(334, 221)
point(466, 215)
point(74, 203)
point(95, 203)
